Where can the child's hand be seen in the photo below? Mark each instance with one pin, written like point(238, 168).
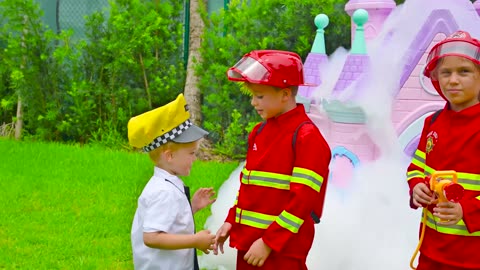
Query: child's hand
point(450, 212)
point(258, 253)
point(202, 198)
point(422, 195)
point(204, 241)
point(222, 234)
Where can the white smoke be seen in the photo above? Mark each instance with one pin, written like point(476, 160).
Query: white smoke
point(367, 225)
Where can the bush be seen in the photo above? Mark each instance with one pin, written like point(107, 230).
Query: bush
point(86, 90)
point(245, 26)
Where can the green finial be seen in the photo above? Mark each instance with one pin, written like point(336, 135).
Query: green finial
point(359, 46)
point(321, 21)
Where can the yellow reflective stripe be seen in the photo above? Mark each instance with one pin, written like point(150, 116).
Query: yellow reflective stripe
point(266, 179)
point(307, 177)
point(415, 174)
point(254, 219)
point(418, 163)
point(457, 229)
point(421, 155)
point(236, 198)
point(469, 181)
point(419, 158)
point(478, 197)
point(289, 221)
point(428, 170)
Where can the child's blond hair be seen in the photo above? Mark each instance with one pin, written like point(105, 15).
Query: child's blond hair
point(172, 146)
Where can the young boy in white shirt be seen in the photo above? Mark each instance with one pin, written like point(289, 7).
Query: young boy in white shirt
point(163, 234)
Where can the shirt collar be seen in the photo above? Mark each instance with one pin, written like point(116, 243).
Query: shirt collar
point(161, 173)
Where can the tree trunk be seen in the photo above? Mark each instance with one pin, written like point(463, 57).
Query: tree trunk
point(191, 91)
point(19, 122)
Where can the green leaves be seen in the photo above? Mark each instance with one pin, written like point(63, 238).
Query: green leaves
point(87, 89)
point(252, 25)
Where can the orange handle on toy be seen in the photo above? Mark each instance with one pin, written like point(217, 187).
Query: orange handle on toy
point(446, 189)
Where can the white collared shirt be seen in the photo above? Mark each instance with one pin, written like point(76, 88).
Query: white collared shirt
point(162, 207)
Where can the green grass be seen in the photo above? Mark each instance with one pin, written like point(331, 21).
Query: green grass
point(71, 207)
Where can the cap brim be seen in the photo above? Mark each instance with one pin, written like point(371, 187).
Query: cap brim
point(193, 133)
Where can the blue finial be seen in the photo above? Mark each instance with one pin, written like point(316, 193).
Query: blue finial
point(321, 21)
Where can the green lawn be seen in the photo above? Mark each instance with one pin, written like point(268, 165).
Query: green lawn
point(71, 207)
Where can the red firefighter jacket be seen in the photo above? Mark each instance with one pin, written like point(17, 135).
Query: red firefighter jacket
point(280, 185)
point(452, 142)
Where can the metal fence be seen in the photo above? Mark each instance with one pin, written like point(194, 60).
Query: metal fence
point(214, 5)
point(70, 14)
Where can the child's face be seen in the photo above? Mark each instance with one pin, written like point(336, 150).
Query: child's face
point(459, 80)
point(267, 100)
point(181, 160)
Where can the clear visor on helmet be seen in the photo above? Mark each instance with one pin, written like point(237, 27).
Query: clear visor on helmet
point(250, 69)
point(459, 48)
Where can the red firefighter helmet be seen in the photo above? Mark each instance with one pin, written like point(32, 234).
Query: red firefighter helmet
point(460, 44)
point(269, 67)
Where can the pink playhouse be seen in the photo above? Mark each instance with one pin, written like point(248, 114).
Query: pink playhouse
point(341, 121)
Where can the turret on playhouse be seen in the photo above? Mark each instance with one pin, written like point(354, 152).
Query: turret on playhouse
point(376, 91)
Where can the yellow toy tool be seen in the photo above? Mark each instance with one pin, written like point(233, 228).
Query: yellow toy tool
point(446, 189)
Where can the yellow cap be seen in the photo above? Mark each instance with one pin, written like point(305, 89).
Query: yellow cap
point(170, 122)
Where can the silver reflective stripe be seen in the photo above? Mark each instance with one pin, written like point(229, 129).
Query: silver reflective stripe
point(467, 180)
point(289, 222)
point(256, 220)
point(253, 219)
point(419, 158)
point(457, 229)
point(264, 179)
point(308, 177)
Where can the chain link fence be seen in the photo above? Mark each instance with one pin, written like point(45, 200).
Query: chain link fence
point(70, 14)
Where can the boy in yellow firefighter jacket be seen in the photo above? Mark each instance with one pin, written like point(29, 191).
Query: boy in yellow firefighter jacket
point(286, 170)
point(451, 141)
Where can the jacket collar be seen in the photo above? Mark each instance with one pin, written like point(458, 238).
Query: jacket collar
point(288, 116)
point(471, 112)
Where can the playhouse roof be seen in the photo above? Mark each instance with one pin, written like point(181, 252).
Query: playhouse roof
point(442, 16)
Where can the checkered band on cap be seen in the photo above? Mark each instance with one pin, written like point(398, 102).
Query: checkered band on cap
point(163, 139)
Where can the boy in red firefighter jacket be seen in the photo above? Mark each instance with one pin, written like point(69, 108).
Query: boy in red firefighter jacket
point(286, 169)
point(451, 141)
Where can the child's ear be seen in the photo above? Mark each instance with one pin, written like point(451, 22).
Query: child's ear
point(167, 155)
point(287, 92)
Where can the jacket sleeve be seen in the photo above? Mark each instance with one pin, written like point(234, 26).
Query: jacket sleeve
point(232, 212)
point(471, 213)
point(310, 172)
point(416, 169)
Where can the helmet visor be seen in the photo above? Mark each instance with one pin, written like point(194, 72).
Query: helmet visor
point(248, 69)
point(457, 48)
